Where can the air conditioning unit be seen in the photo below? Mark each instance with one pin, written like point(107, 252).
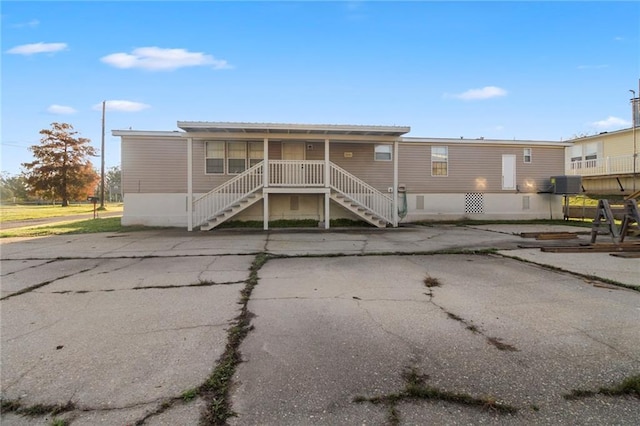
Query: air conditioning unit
point(566, 184)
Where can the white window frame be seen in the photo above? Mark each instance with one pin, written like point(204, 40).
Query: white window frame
point(243, 157)
point(527, 155)
point(255, 153)
point(380, 151)
point(206, 157)
point(435, 160)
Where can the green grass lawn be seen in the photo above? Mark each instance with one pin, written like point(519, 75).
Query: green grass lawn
point(89, 226)
point(18, 212)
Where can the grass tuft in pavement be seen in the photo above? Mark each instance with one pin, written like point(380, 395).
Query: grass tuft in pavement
point(416, 389)
point(628, 387)
point(429, 281)
point(215, 391)
point(36, 410)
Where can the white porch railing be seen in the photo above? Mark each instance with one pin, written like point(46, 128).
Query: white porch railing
point(294, 173)
point(356, 189)
point(602, 166)
point(227, 194)
point(291, 173)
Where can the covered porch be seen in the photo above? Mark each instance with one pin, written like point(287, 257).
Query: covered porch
point(294, 173)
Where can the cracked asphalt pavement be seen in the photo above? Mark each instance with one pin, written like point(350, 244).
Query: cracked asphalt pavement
point(125, 329)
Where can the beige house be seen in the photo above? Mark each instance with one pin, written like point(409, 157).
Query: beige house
point(605, 162)
point(210, 172)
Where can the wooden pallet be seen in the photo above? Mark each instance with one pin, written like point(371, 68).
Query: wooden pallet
point(595, 248)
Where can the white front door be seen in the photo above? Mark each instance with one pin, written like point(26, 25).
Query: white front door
point(508, 171)
point(293, 173)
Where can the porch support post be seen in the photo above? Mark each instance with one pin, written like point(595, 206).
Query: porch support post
point(395, 183)
point(327, 183)
point(327, 177)
point(265, 205)
point(327, 205)
point(190, 184)
point(265, 164)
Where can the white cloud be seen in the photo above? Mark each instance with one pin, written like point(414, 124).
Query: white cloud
point(31, 24)
point(30, 49)
point(610, 123)
point(122, 106)
point(60, 109)
point(618, 38)
point(479, 94)
point(158, 59)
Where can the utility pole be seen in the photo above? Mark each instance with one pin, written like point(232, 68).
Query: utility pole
point(102, 161)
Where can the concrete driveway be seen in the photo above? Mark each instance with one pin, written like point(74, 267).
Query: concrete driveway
point(417, 325)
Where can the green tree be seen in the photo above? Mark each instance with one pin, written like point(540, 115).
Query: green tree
point(62, 169)
point(13, 187)
point(113, 183)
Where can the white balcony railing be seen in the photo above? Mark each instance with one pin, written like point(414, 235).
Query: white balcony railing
point(602, 166)
point(294, 173)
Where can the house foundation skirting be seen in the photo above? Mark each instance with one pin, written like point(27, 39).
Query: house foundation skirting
point(172, 209)
point(482, 206)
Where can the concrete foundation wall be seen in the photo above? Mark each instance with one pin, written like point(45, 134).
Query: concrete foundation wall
point(171, 209)
point(155, 210)
point(433, 207)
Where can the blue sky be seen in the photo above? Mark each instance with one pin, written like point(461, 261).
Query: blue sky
point(525, 70)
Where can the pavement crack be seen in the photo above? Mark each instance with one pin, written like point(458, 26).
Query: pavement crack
point(162, 330)
point(42, 284)
point(137, 260)
point(494, 341)
point(151, 287)
point(29, 267)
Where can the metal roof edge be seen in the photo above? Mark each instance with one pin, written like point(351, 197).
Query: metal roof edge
point(292, 126)
point(174, 133)
point(603, 134)
point(484, 141)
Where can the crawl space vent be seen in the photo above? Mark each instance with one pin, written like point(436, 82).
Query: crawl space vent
point(474, 202)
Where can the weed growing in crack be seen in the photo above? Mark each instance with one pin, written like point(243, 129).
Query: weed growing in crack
point(37, 410)
point(59, 422)
point(501, 345)
point(216, 389)
point(189, 395)
point(495, 341)
point(416, 389)
point(9, 406)
point(431, 282)
point(629, 386)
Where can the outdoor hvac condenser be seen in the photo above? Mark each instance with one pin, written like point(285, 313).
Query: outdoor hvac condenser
point(566, 184)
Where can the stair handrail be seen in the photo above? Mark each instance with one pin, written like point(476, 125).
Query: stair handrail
point(361, 192)
point(227, 194)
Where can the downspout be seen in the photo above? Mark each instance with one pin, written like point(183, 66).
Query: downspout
point(190, 184)
point(395, 183)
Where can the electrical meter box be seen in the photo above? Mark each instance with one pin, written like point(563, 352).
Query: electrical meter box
point(566, 184)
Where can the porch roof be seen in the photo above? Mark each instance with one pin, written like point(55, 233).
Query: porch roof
point(291, 129)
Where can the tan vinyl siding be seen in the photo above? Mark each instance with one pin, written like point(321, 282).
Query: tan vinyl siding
point(477, 168)
point(203, 182)
point(378, 174)
point(154, 165)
